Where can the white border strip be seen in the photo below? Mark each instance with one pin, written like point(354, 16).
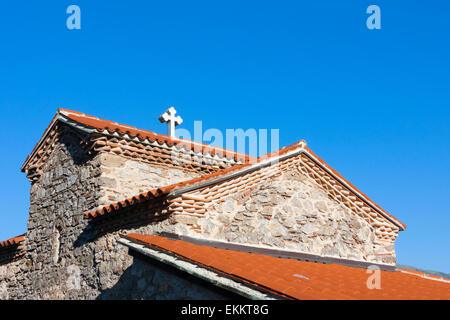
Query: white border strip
point(425, 276)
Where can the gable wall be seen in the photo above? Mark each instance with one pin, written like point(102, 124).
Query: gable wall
point(289, 211)
point(66, 188)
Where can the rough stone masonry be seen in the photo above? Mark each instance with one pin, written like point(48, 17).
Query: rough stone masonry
point(291, 211)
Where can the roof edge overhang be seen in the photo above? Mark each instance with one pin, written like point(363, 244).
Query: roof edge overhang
point(63, 115)
point(265, 163)
point(302, 148)
point(12, 241)
point(275, 252)
point(268, 160)
point(216, 279)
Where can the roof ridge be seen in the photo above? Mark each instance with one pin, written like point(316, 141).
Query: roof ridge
point(152, 136)
point(208, 179)
point(157, 192)
point(268, 250)
point(130, 133)
point(291, 277)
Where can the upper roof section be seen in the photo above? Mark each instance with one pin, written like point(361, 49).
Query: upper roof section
point(107, 135)
point(295, 279)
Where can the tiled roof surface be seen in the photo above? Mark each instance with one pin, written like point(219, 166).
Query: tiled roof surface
point(167, 189)
point(128, 141)
point(128, 132)
point(299, 279)
point(112, 127)
point(223, 174)
point(155, 193)
point(12, 241)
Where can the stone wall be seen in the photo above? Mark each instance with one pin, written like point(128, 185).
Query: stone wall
point(146, 278)
point(291, 212)
point(12, 278)
point(67, 187)
point(123, 178)
point(60, 244)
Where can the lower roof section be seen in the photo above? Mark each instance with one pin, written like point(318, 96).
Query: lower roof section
point(291, 278)
point(200, 272)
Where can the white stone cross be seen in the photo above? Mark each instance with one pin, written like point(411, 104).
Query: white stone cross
point(172, 121)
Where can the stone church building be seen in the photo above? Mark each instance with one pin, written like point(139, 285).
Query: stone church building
point(122, 213)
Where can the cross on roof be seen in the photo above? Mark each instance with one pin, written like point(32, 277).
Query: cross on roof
point(172, 120)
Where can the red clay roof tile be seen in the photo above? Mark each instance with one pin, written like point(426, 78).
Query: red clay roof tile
point(167, 189)
point(12, 241)
point(198, 181)
point(111, 127)
point(324, 281)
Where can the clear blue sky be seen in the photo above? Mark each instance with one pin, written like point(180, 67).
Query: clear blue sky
point(373, 103)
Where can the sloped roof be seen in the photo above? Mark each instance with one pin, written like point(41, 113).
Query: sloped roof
point(242, 169)
point(242, 162)
point(299, 279)
point(12, 241)
point(158, 192)
point(91, 124)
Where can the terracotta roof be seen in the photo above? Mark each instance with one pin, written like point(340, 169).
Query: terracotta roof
point(298, 279)
point(94, 124)
point(155, 193)
point(105, 127)
point(158, 192)
point(230, 172)
point(113, 127)
point(12, 241)
point(36, 146)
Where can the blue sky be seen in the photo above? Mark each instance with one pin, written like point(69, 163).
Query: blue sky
point(373, 103)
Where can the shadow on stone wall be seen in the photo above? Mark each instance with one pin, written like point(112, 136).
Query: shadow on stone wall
point(131, 219)
point(148, 279)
